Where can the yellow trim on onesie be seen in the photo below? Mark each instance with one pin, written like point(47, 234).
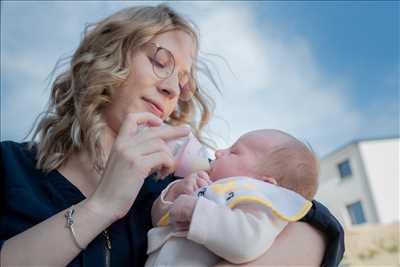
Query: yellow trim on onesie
point(230, 192)
point(164, 220)
point(301, 213)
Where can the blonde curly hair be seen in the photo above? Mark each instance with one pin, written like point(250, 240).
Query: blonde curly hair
point(73, 120)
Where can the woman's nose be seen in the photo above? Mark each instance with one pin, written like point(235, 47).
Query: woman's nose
point(169, 86)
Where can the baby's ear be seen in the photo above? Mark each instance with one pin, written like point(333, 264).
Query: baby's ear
point(269, 179)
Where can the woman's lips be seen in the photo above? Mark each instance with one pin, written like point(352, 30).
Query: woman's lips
point(154, 108)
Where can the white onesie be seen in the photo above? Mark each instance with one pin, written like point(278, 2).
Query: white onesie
point(235, 219)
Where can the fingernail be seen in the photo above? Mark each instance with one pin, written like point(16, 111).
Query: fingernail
point(186, 129)
point(203, 174)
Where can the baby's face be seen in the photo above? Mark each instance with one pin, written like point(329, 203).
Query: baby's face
point(237, 160)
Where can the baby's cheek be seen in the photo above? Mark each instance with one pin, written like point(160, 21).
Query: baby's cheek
point(218, 173)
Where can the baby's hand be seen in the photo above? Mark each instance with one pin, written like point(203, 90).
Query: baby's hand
point(201, 179)
point(181, 212)
point(188, 185)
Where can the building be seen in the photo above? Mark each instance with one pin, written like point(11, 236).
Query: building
point(360, 182)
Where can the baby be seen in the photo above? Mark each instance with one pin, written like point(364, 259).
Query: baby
point(254, 188)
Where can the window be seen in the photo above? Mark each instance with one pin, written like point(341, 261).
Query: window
point(356, 213)
point(345, 169)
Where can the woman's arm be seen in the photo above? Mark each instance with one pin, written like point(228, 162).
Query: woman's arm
point(50, 243)
point(131, 159)
point(299, 244)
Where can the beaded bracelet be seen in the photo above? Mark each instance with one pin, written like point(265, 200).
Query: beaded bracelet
point(69, 224)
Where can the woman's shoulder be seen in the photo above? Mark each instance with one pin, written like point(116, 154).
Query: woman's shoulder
point(17, 162)
point(11, 148)
point(17, 154)
point(34, 194)
point(26, 195)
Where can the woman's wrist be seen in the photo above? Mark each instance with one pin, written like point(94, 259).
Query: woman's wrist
point(103, 212)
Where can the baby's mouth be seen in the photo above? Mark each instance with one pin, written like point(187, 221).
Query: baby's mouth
point(210, 170)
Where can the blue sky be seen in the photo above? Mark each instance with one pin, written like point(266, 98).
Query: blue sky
point(354, 41)
point(359, 41)
point(327, 72)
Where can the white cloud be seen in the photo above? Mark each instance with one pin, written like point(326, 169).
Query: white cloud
point(276, 82)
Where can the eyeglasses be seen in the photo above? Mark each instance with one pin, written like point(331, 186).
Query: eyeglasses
point(163, 63)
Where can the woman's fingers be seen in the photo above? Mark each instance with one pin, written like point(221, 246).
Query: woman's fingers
point(129, 133)
point(156, 145)
point(160, 160)
point(133, 156)
point(162, 132)
point(132, 120)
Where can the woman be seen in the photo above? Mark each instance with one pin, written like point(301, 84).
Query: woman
point(83, 190)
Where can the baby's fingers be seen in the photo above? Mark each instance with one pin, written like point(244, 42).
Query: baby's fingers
point(201, 182)
point(203, 179)
point(205, 176)
point(181, 226)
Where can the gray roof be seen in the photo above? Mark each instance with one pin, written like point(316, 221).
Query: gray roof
point(356, 141)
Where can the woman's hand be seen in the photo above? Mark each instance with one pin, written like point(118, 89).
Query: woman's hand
point(188, 185)
point(133, 155)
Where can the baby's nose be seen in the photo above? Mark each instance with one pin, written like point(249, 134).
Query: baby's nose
point(219, 153)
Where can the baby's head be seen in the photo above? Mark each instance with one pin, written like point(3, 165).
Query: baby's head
point(272, 156)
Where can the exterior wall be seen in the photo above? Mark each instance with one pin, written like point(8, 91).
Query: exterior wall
point(336, 193)
point(381, 163)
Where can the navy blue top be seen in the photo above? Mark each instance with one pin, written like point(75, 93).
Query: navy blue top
point(28, 196)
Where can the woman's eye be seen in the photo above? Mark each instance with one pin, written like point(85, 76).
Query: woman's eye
point(156, 63)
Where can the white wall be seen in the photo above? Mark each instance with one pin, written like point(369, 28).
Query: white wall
point(336, 193)
point(381, 163)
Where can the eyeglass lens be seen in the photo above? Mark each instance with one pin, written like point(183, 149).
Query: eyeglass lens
point(163, 66)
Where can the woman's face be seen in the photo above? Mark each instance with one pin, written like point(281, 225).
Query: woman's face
point(143, 91)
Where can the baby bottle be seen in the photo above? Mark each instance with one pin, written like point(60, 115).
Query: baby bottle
point(189, 154)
